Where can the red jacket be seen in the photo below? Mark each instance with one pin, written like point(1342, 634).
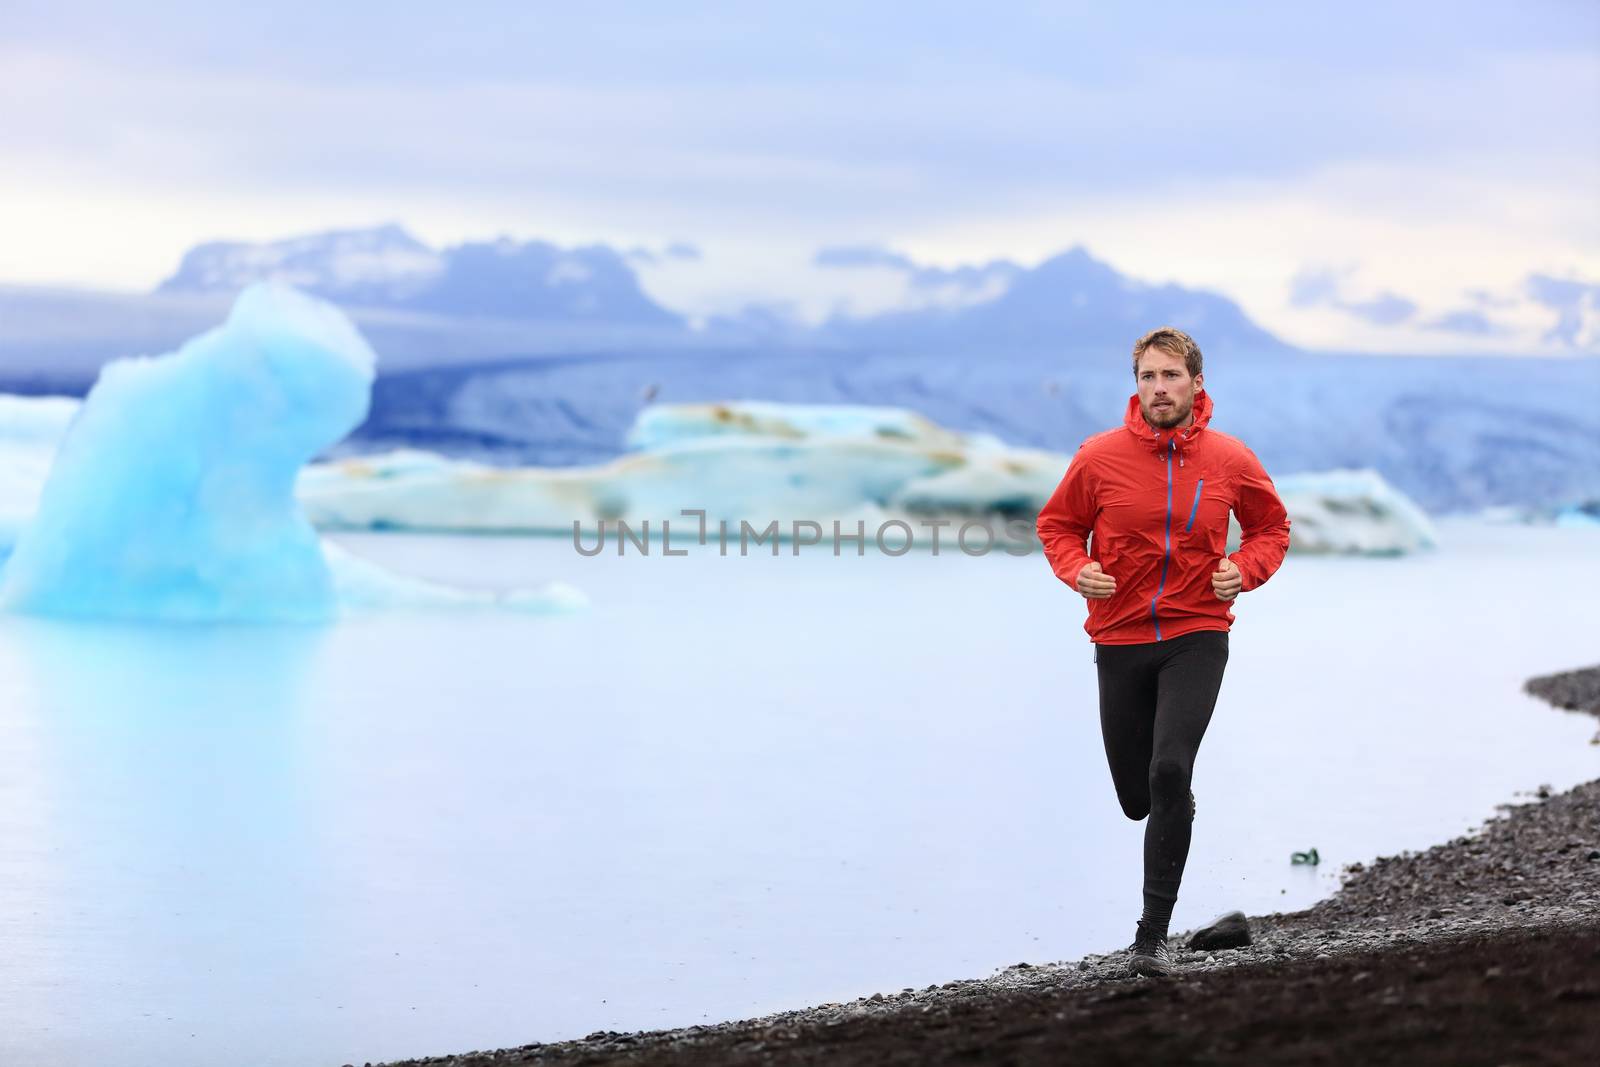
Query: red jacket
point(1157, 503)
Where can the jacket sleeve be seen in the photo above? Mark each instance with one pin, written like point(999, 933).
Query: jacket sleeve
point(1263, 524)
point(1066, 519)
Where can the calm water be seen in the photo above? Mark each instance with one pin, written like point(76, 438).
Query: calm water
point(733, 786)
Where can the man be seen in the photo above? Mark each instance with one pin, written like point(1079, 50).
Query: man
point(1155, 494)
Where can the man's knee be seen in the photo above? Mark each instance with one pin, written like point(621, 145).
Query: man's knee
point(1134, 808)
point(1169, 783)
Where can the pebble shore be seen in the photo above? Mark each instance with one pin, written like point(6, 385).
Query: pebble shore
point(1522, 887)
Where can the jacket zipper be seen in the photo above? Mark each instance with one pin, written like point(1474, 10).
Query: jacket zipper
point(1196, 506)
point(1166, 552)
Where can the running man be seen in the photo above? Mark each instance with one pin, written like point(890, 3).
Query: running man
point(1155, 494)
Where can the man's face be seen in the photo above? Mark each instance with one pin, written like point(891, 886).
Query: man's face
point(1166, 391)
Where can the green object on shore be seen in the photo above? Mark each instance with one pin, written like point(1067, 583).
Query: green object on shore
point(1305, 857)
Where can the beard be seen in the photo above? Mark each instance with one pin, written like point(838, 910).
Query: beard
point(1168, 418)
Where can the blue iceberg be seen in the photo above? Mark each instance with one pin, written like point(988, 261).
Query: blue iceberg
point(171, 495)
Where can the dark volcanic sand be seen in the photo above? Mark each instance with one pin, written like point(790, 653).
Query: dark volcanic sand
point(1482, 950)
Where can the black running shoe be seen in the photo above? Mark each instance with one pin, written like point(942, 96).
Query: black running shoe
point(1149, 955)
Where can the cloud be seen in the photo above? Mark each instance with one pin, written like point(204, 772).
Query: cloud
point(1577, 307)
point(1486, 299)
point(682, 250)
point(771, 131)
point(655, 120)
point(1324, 286)
point(988, 278)
point(1385, 309)
point(862, 256)
point(1314, 285)
point(1466, 321)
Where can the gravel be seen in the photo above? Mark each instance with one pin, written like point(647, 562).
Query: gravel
point(1525, 886)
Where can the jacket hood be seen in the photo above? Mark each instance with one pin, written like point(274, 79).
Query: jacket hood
point(1134, 422)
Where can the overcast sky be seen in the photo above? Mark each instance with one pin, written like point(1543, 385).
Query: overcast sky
point(1395, 177)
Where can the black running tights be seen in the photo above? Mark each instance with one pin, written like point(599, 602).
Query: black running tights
point(1155, 703)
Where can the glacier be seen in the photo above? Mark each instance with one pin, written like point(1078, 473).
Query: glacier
point(169, 493)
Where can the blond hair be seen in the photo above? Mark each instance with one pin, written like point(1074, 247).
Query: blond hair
point(1173, 340)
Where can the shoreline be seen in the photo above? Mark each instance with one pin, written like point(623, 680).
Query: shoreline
point(1495, 934)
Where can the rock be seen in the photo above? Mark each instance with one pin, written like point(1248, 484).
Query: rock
point(1227, 931)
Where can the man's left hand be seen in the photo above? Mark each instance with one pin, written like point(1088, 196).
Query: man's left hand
point(1226, 581)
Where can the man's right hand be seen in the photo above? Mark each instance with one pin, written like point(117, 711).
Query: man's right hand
point(1095, 583)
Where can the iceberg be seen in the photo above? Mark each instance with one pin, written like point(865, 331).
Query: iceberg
point(662, 425)
point(170, 491)
point(752, 462)
point(757, 462)
point(1585, 516)
point(1580, 515)
point(1351, 511)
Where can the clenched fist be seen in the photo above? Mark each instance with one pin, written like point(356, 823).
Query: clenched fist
point(1226, 581)
point(1095, 583)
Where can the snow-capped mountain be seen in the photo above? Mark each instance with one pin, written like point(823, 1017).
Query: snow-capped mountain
point(381, 266)
point(1071, 301)
point(386, 267)
point(529, 353)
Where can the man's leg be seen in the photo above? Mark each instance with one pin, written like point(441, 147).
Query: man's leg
point(1127, 720)
point(1190, 678)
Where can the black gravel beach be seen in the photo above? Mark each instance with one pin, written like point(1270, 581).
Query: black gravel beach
point(1481, 950)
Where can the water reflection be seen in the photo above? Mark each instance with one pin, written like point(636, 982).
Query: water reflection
point(157, 803)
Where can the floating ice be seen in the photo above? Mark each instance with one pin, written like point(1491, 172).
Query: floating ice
point(1579, 516)
point(1352, 511)
point(755, 462)
point(759, 462)
point(662, 425)
point(1582, 515)
point(171, 494)
point(362, 585)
